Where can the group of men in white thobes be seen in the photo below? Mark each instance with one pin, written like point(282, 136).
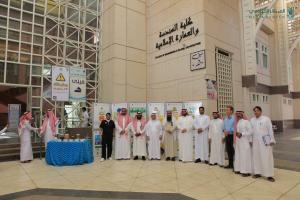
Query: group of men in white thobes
point(253, 140)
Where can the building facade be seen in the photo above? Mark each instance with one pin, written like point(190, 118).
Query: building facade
point(153, 52)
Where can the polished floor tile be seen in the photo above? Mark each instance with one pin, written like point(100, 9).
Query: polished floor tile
point(198, 181)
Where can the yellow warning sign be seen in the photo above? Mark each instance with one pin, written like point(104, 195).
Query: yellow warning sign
point(60, 77)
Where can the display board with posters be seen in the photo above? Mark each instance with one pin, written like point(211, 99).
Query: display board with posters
point(192, 107)
point(77, 84)
point(14, 112)
point(60, 83)
point(175, 108)
point(159, 108)
point(99, 112)
point(212, 89)
point(116, 107)
point(137, 107)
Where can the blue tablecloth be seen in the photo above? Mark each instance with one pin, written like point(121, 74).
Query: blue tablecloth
point(69, 153)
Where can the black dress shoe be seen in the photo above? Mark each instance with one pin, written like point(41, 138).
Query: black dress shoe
point(256, 176)
point(136, 158)
point(245, 175)
point(206, 162)
point(173, 159)
point(143, 158)
point(271, 179)
point(228, 167)
point(180, 160)
point(237, 172)
point(168, 158)
point(198, 160)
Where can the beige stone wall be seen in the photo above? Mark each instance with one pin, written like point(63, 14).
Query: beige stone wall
point(170, 78)
point(123, 73)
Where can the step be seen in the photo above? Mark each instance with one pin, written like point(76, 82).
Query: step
point(17, 149)
point(16, 156)
point(15, 145)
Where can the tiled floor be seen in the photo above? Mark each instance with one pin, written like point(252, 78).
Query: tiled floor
point(198, 181)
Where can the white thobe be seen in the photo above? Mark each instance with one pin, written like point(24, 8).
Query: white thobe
point(201, 139)
point(25, 140)
point(263, 162)
point(185, 140)
point(153, 131)
point(139, 143)
point(85, 122)
point(243, 158)
point(122, 144)
point(49, 135)
point(216, 135)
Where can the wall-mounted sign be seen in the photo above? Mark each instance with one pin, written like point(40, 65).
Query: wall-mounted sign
point(60, 83)
point(77, 84)
point(211, 87)
point(176, 34)
point(197, 60)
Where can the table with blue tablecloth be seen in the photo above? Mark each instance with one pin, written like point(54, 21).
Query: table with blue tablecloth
point(64, 153)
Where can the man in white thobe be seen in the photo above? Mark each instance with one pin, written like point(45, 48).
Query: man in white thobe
point(201, 125)
point(262, 149)
point(49, 127)
point(243, 138)
point(24, 130)
point(153, 131)
point(85, 118)
point(122, 136)
point(137, 128)
point(216, 138)
point(185, 136)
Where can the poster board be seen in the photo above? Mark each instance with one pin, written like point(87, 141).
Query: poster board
point(159, 108)
point(60, 83)
point(137, 107)
point(14, 111)
point(116, 107)
point(192, 107)
point(175, 108)
point(77, 84)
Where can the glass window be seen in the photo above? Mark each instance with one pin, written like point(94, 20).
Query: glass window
point(1, 71)
point(27, 6)
point(25, 58)
point(265, 60)
point(25, 47)
point(26, 37)
point(2, 33)
point(36, 70)
point(13, 46)
point(16, 4)
point(3, 11)
point(26, 27)
point(37, 49)
point(13, 35)
point(12, 56)
point(39, 9)
point(17, 73)
point(27, 17)
point(38, 20)
point(37, 40)
point(2, 49)
point(3, 22)
point(14, 13)
point(14, 24)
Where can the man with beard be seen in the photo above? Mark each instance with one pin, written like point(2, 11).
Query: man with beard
point(137, 127)
point(122, 138)
point(49, 127)
point(169, 137)
point(217, 139)
point(201, 125)
point(185, 136)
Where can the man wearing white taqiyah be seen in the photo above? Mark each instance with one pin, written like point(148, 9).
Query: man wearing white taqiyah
point(262, 149)
point(185, 136)
point(201, 124)
point(216, 138)
point(242, 139)
point(153, 131)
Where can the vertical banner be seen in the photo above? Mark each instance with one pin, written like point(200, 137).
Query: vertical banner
point(99, 112)
point(116, 107)
point(137, 107)
point(175, 108)
point(192, 107)
point(77, 84)
point(14, 111)
point(60, 83)
point(159, 108)
point(211, 87)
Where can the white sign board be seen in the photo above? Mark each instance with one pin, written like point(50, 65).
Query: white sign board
point(157, 107)
point(137, 107)
point(116, 108)
point(14, 111)
point(99, 112)
point(60, 83)
point(175, 108)
point(192, 107)
point(77, 84)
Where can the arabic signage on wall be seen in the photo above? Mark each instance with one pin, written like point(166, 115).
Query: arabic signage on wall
point(176, 34)
point(77, 84)
point(60, 83)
